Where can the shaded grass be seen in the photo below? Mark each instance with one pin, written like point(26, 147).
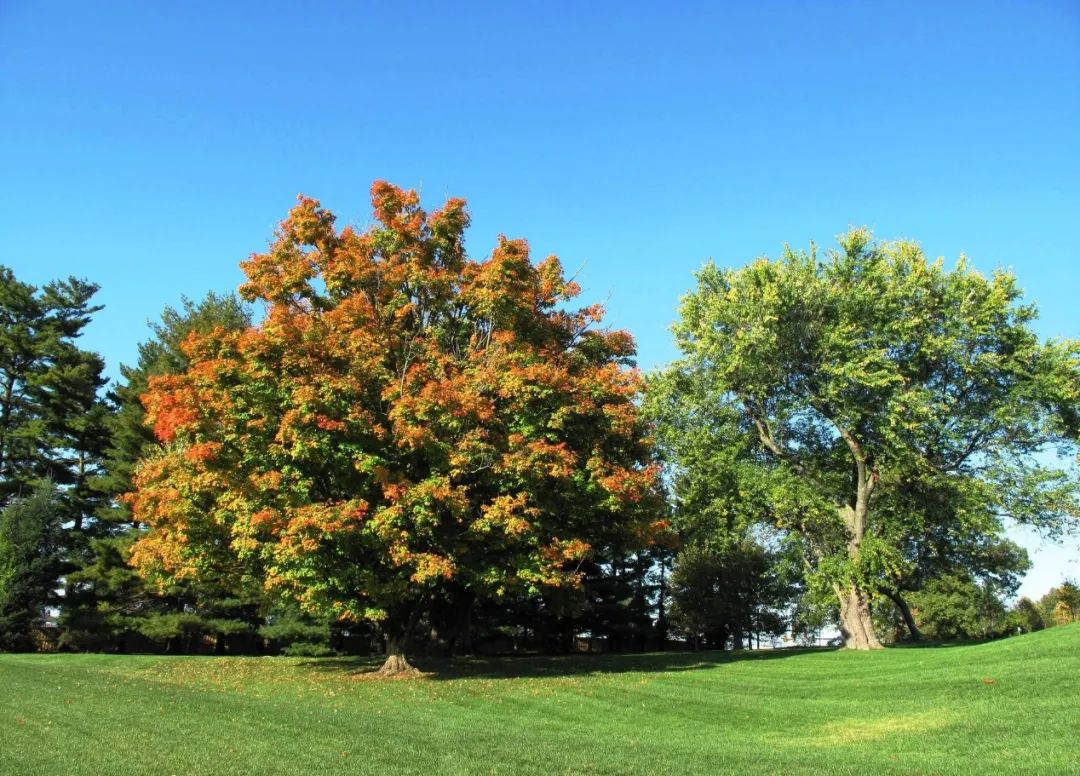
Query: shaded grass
point(1005, 707)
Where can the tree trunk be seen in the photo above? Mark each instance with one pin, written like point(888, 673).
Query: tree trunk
point(905, 612)
point(396, 663)
point(661, 607)
point(396, 631)
point(464, 603)
point(856, 625)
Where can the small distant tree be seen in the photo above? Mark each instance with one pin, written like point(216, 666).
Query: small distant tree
point(31, 561)
point(1061, 605)
point(1027, 615)
point(951, 549)
point(403, 419)
point(956, 606)
point(722, 594)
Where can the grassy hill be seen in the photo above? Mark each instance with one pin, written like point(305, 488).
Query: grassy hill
point(1011, 706)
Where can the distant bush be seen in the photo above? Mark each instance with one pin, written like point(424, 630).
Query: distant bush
point(308, 649)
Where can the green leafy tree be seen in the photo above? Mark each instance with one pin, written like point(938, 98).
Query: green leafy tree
point(858, 382)
point(31, 560)
point(957, 606)
point(727, 593)
point(952, 548)
point(1061, 605)
point(1028, 616)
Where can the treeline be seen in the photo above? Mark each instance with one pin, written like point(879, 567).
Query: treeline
point(415, 449)
point(68, 451)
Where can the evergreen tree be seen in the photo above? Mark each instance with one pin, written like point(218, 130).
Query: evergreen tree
point(728, 593)
point(53, 421)
point(31, 559)
point(51, 418)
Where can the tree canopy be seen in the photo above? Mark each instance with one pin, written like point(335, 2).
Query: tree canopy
point(403, 417)
point(865, 396)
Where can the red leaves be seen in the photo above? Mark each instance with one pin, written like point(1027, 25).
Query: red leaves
point(168, 407)
point(203, 452)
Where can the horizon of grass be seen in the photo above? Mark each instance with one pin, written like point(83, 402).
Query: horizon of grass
point(1010, 706)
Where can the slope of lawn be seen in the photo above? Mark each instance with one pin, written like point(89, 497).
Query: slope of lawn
point(1011, 706)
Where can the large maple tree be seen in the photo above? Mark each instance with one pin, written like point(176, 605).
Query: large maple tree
point(403, 417)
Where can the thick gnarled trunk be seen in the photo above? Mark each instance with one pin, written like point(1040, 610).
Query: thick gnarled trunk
point(856, 625)
point(396, 631)
point(396, 664)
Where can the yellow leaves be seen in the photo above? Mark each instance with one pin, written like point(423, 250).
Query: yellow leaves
point(286, 269)
point(573, 550)
point(397, 209)
point(309, 223)
point(244, 545)
point(268, 482)
point(307, 527)
point(594, 313)
point(623, 418)
point(393, 491)
point(560, 560)
point(510, 513)
point(431, 567)
point(158, 557)
point(538, 457)
point(350, 265)
point(473, 454)
point(553, 286)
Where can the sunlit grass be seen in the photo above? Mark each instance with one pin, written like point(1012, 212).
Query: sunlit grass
point(1005, 707)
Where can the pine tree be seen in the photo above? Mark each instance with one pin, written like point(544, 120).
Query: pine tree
point(31, 559)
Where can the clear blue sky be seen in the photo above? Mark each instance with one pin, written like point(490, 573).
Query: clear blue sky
point(151, 146)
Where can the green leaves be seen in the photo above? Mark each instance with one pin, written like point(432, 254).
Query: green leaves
point(854, 384)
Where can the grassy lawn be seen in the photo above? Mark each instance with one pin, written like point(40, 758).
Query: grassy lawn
point(1011, 706)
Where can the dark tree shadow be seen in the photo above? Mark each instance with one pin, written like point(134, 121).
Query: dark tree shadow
point(938, 644)
point(551, 666)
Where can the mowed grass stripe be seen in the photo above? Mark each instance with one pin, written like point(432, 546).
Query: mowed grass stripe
point(1005, 707)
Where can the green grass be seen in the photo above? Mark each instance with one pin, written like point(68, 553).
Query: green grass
point(1011, 706)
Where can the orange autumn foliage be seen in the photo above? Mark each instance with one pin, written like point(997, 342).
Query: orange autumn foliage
point(403, 416)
